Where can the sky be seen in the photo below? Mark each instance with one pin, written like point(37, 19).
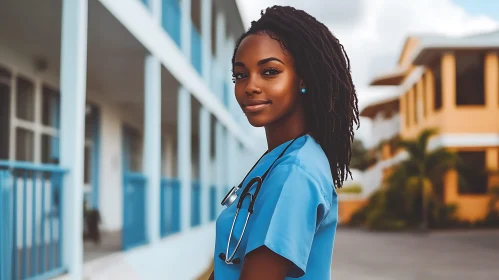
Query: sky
point(374, 31)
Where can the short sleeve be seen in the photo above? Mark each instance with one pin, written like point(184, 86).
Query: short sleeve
point(287, 213)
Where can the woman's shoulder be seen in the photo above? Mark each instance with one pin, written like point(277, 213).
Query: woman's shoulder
point(306, 159)
point(309, 156)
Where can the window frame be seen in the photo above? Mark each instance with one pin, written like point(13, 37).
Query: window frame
point(479, 87)
point(466, 167)
point(36, 126)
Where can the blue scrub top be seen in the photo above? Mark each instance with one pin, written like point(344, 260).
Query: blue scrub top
point(295, 214)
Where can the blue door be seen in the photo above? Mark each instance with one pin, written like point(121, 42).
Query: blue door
point(134, 190)
point(91, 157)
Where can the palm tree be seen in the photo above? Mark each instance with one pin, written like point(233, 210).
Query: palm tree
point(360, 156)
point(422, 170)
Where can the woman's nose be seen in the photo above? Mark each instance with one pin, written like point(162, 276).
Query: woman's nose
point(253, 87)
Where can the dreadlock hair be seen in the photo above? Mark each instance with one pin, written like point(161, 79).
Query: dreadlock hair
point(330, 104)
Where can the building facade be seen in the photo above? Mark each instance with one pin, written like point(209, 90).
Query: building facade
point(452, 85)
point(124, 107)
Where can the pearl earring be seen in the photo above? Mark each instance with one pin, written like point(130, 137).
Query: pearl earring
point(303, 90)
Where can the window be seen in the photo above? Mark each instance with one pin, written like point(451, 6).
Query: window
point(132, 148)
point(423, 96)
point(136, 154)
point(407, 113)
point(87, 156)
point(50, 149)
point(415, 103)
point(24, 144)
point(50, 107)
point(25, 99)
point(35, 137)
point(473, 176)
point(470, 79)
point(213, 29)
point(91, 126)
point(50, 119)
point(437, 90)
point(5, 78)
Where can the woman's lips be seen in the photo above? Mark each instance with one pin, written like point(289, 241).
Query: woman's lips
point(255, 106)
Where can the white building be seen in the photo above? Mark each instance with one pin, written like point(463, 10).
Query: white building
point(125, 106)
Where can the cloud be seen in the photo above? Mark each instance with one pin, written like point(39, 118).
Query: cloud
point(374, 31)
point(340, 13)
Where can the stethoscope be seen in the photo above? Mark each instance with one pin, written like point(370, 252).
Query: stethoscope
point(231, 196)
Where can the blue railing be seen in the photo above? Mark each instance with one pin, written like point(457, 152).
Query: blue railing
point(196, 50)
point(171, 19)
point(6, 222)
point(196, 203)
point(170, 206)
point(213, 203)
point(31, 238)
point(134, 219)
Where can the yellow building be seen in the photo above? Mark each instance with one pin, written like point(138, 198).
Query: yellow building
point(451, 84)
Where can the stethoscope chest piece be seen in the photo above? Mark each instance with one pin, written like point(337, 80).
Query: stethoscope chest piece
point(230, 197)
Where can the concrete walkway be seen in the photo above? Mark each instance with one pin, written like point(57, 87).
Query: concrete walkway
point(110, 244)
point(449, 255)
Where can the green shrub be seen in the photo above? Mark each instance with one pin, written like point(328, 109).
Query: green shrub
point(354, 188)
point(492, 218)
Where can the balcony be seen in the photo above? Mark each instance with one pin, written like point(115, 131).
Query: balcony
point(171, 19)
point(31, 196)
point(134, 212)
point(196, 50)
point(170, 206)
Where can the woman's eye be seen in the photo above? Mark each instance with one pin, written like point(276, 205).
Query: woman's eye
point(238, 76)
point(271, 71)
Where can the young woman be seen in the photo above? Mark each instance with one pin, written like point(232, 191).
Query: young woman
point(292, 77)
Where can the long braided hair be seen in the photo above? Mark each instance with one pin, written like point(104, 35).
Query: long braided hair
point(331, 104)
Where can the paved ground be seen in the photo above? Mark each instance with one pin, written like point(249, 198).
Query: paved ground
point(456, 255)
point(111, 243)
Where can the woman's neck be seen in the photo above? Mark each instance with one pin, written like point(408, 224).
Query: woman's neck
point(285, 129)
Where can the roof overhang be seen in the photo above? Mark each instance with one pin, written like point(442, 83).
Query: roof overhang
point(386, 105)
point(425, 56)
point(393, 78)
point(432, 47)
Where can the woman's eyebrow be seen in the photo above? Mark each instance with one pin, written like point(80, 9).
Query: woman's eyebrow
point(238, 63)
point(260, 62)
point(269, 59)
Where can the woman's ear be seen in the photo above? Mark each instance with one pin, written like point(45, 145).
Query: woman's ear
point(302, 84)
point(303, 88)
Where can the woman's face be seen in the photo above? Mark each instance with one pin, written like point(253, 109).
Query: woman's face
point(266, 84)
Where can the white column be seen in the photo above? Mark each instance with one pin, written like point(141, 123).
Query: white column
point(232, 106)
point(204, 162)
point(184, 122)
point(152, 134)
point(73, 90)
point(184, 156)
point(185, 28)
point(220, 53)
point(156, 7)
point(219, 158)
point(152, 144)
point(206, 7)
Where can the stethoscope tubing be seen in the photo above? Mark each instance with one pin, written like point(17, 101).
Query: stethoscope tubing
point(259, 180)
